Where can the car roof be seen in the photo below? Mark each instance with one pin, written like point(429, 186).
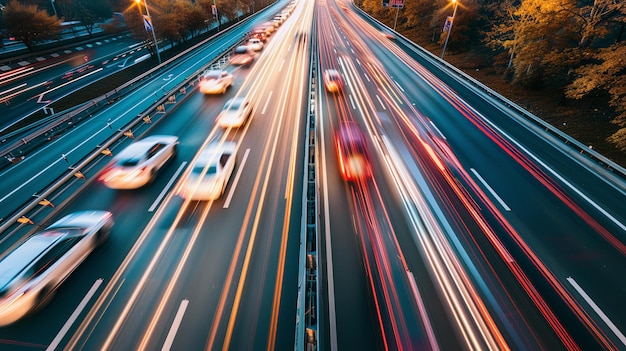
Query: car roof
point(80, 219)
point(139, 147)
point(214, 72)
point(350, 131)
point(20, 258)
point(212, 150)
point(235, 102)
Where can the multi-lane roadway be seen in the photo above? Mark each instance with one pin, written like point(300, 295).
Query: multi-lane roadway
point(476, 230)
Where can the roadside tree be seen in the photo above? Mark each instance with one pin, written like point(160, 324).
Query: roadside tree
point(29, 24)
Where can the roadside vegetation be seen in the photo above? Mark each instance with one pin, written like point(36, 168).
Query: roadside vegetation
point(550, 54)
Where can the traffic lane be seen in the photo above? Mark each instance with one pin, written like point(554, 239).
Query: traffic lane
point(547, 210)
point(121, 112)
point(266, 317)
point(191, 123)
point(349, 263)
point(81, 140)
point(40, 86)
point(195, 278)
point(568, 164)
point(182, 111)
point(56, 67)
point(280, 105)
point(130, 211)
point(348, 292)
point(510, 179)
point(380, 100)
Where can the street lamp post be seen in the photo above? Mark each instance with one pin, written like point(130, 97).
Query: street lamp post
point(156, 45)
point(456, 4)
point(54, 8)
point(215, 13)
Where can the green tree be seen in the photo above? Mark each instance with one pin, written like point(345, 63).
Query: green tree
point(29, 24)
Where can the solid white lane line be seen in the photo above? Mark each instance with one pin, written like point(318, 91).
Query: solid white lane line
point(352, 102)
point(14, 88)
point(172, 333)
point(490, 190)
point(267, 101)
point(232, 189)
point(437, 129)
point(167, 187)
point(597, 309)
point(66, 327)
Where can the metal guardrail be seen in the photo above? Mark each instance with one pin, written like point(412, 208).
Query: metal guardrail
point(602, 164)
point(308, 286)
point(19, 148)
point(160, 108)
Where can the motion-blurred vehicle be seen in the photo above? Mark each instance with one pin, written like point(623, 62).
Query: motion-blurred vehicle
point(352, 152)
point(210, 172)
point(235, 113)
point(255, 44)
point(138, 164)
point(31, 272)
point(388, 35)
point(267, 27)
point(242, 56)
point(215, 82)
point(259, 34)
point(333, 81)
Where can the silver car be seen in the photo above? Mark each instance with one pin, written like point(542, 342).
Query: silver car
point(31, 272)
point(138, 164)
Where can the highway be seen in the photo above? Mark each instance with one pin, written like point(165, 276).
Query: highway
point(31, 87)
point(477, 230)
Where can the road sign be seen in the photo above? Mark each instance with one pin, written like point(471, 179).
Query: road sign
point(147, 22)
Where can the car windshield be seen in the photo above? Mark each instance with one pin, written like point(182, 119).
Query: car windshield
point(241, 50)
point(212, 76)
point(199, 168)
point(129, 162)
point(234, 105)
point(333, 77)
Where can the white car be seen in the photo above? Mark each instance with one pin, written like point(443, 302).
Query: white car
point(215, 82)
point(235, 113)
point(138, 164)
point(31, 272)
point(255, 44)
point(210, 172)
point(242, 56)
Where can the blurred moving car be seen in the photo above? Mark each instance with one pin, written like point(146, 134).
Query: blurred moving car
point(255, 44)
point(138, 164)
point(352, 152)
point(210, 172)
point(235, 113)
point(215, 82)
point(30, 273)
point(267, 27)
point(333, 81)
point(242, 56)
point(259, 34)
